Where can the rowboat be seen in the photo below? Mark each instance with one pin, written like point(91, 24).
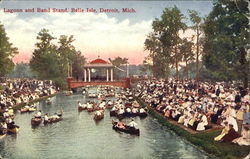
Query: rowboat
point(36, 121)
point(98, 117)
point(127, 129)
point(13, 130)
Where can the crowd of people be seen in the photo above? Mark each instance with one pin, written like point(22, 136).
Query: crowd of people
point(20, 91)
point(201, 106)
point(17, 91)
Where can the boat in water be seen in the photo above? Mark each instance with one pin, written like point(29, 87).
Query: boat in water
point(126, 129)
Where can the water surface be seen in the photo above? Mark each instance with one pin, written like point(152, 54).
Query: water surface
point(79, 136)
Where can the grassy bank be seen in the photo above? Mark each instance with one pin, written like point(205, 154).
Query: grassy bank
point(203, 140)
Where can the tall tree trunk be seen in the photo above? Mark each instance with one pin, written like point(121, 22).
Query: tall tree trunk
point(176, 63)
point(197, 54)
point(187, 69)
point(245, 66)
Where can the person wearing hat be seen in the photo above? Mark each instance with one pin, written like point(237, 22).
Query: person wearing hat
point(231, 135)
point(239, 118)
point(133, 124)
point(245, 137)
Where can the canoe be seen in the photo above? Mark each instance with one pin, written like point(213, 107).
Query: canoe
point(98, 117)
point(13, 130)
point(108, 106)
point(112, 113)
point(32, 109)
point(81, 108)
point(127, 129)
point(90, 109)
point(24, 110)
point(36, 121)
point(52, 121)
point(143, 115)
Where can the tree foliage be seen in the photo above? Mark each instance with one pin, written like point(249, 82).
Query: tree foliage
point(226, 41)
point(22, 70)
point(197, 21)
point(118, 61)
point(163, 43)
point(188, 54)
point(7, 52)
point(56, 62)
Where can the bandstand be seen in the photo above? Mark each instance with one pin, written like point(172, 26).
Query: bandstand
point(98, 64)
point(98, 72)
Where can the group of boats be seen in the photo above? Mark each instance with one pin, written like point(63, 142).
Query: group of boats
point(124, 107)
point(36, 121)
point(7, 124)
point(28, 109)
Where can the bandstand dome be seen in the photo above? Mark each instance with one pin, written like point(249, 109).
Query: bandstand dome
point(98, 61)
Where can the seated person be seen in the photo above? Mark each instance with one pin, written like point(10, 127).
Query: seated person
point(120, 124)
point(245, 137)
point(46, 118)
point(38, 114)
point(231, 135)
point(133, 124)
point(142, 110)
point(98, 113)
point(202, 123)
point(223, 133)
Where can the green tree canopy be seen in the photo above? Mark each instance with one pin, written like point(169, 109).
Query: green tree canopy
point(226, 39)
point(7, 52)
point(56, 62)
point(163, 43)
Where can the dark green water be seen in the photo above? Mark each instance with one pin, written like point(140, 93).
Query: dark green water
point(78, 136)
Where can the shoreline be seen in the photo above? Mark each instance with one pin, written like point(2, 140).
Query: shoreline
point(202, 140)
point(17, 107)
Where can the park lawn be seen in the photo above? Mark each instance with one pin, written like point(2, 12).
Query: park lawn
point(203, 140)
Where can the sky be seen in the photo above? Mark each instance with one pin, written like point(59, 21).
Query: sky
point(107, 35)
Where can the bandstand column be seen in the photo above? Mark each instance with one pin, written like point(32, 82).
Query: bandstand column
point(85, 75)
point(107, 74)
point(89, 74)
point(111, 72)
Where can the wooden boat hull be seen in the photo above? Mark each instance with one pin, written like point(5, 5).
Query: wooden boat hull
point(143, 115)
point(52, 121)
point(13, 130)
point(127, 129)
point(81, 108)
point(112, 113)
point(98, 117)
point(90, 109)
point(24, 110)
point(36, 121)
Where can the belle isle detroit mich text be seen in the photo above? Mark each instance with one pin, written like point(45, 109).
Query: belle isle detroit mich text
point(72, 10)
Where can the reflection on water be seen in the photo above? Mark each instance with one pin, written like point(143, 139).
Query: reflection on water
point(79, 136)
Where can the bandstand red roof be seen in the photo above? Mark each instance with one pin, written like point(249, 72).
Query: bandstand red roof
point(98, 61)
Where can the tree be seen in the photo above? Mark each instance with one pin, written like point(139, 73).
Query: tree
point(22, 70)
point(44, 60)
point(7, 52)
point(118, 61)
point(164, 42)
point(187, 52)
point(197, 26)
point(56, 62)
point(226, 41)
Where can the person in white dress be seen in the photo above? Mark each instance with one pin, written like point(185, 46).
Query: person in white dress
point(203, 123)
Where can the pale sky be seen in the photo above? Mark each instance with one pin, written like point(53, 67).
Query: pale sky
point(107, 35)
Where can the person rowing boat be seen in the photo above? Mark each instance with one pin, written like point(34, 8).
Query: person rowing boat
point(133, 124)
